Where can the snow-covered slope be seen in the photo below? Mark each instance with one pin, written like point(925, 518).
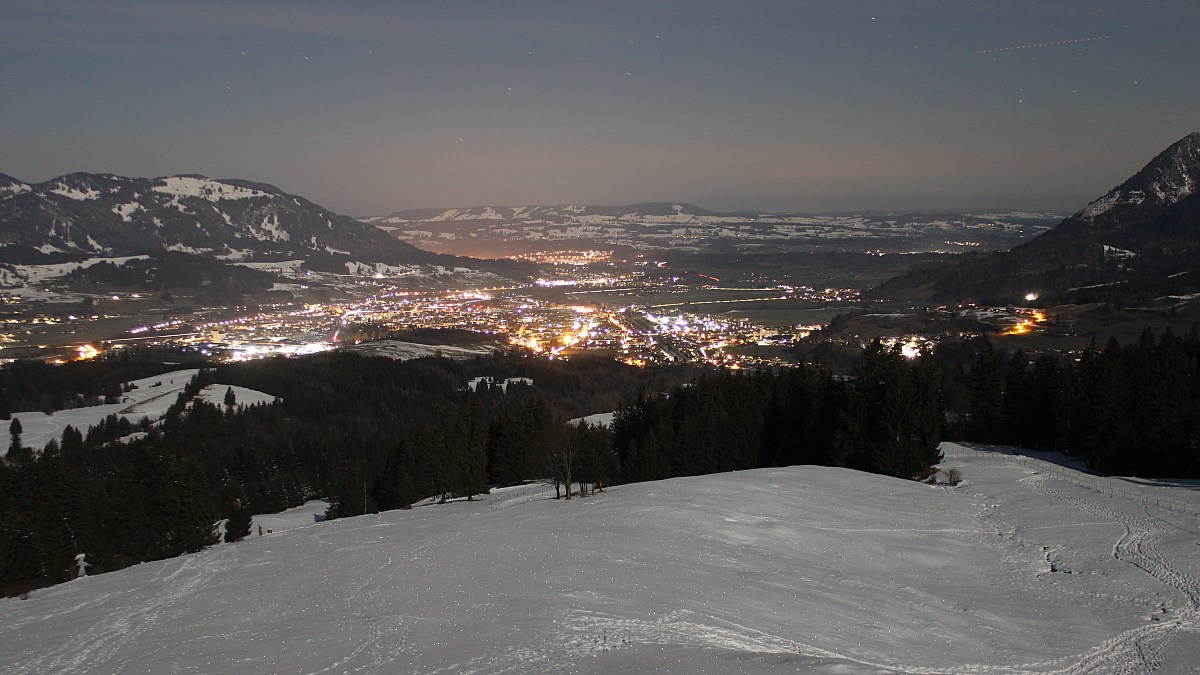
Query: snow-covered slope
point(150, 397)
point(104, 215)
point(405, 351)
point(10, 186)
point(802, 568)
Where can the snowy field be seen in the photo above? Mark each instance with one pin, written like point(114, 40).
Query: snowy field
point(301, 516)
point(1017, 569)
point(405, 351)
point(596, 420)
point(151, 397)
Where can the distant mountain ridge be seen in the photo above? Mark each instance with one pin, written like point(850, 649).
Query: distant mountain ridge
point(687, 227)
point(1140, 240)
point(104, 214)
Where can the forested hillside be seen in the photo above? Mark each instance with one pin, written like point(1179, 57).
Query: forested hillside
point(1130, 410)
point(373, 434)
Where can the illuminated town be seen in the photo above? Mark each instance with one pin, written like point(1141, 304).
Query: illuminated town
point(640, 314)
point(516, 318)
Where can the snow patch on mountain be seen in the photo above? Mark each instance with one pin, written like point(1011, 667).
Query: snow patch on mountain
point(1110, 201)
point(243, 396)
point(149, 397)
point(1111, 252)
point(1171, 176)
point(69, 192)
point(273, 266)
point(595, 420)
point(270, 229)
point(192, 186)
point(126, 211)
point(13, 189)
point(184, 248)
point(36, 274)
point(406, 351)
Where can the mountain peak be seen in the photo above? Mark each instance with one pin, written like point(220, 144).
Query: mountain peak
point(1171, 176)
point(1149, 221)
point(10, 186)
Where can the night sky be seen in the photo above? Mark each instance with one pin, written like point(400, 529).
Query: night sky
point(370, 107)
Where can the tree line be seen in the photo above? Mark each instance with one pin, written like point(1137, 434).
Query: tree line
point(1130, 410)
point(367, 433)
point(885, 418)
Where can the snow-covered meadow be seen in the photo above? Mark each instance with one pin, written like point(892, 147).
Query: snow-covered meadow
point(150, 397)
point(1017, 569)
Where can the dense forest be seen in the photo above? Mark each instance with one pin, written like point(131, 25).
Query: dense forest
point(1130, 410)
point(886, 418)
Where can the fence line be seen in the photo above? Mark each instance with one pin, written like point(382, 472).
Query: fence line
point(1100, 484)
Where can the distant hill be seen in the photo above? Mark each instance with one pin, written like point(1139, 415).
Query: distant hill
point(84, 214)
point(665, 226)
point(561, 213)
point(1138, 242)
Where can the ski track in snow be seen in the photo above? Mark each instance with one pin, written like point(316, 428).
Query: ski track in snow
point(383, 638)
point(1135, 650)
point(387, 633)
point(95, 648)
point(587, 634)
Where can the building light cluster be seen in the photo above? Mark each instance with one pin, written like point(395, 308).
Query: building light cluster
point(584, 304)
point(579, 258)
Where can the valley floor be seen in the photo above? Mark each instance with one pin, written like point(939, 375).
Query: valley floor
point(1024, 567)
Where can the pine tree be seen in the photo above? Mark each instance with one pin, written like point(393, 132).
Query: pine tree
point(403, 485)
point(239, 522)
point(473, 473)
point(16, 451)
point(986, 409)
point(898, 413)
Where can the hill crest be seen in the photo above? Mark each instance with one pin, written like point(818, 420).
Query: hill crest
point(109, 215)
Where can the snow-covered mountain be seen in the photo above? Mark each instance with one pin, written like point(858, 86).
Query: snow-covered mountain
point(1141, 239)
point(661, 226)
point(1169, 178)
point(100, 214)
point(1024, 567)
point(10, 186)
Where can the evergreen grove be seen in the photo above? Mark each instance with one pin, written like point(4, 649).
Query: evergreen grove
point(1129, 410)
